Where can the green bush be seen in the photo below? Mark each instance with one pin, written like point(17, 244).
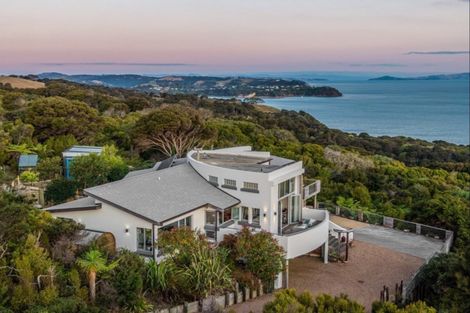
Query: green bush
point(288, 301)
point(29, 177)
point(258, 253)
point(50, 168)
point(389, 307)
point(60, 190)
point(206, 274)
point(127, 279)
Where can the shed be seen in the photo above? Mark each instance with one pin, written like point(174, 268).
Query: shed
point(27, 162)
point(76, 151)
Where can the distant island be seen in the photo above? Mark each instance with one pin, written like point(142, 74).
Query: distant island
point(459, 76)
point(204, 85)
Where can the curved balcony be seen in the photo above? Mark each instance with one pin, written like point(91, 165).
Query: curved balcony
point(302, 239)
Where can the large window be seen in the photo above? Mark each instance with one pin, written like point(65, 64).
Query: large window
point(210, 217)
point(295, 208)
point(236, 214)
point(184, 222)
point(255, 219)
point(286, 187)
point(144, 239)
point(245, 214)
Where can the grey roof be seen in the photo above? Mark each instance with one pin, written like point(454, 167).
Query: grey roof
point(79, 204)
point(28, 160)
point(162, 195)
point(84, 149)
point(243, 162)
point(170, 162)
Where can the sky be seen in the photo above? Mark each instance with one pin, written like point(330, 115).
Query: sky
point(240, 36)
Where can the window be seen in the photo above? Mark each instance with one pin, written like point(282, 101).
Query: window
point(144, 239)
point(185, 222)
point(236, 214)
point(255, 216)
point(230, 183)
point(226, 216)
point(250, 187)
point(286, 187)
point(210, 217)
point(213, 180)
point(295, 208)
point(245, 213)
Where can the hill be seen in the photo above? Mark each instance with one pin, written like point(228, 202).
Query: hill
point(21, 83)
point(459, 76)
point(203, 85)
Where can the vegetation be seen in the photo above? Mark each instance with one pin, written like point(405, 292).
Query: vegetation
point(396, 176)
point(289, 301)
point(257, 256)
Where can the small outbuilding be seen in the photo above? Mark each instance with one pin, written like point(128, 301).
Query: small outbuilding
point(76, 151)
point(27, 162)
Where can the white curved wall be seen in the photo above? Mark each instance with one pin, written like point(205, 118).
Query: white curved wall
point(304, 242)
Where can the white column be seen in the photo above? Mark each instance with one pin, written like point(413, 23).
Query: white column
point(325, 252)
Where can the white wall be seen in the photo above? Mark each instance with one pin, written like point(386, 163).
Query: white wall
point(267, 198)
point(110, 219)
point(308, 240)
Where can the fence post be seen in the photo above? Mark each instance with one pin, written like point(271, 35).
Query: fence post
point(360, 215)
point(418, 229)
point(338, 210)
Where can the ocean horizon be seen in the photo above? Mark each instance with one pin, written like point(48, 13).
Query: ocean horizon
point(429, 110)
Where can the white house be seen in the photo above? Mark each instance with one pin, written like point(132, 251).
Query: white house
point(213, 191)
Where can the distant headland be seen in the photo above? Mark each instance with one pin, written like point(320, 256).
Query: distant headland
point(458, 76)
point(204, 85)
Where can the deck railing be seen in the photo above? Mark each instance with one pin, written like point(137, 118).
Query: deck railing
point(312, 189)
point(446, 236)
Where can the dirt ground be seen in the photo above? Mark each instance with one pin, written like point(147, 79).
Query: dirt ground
point(369, 269)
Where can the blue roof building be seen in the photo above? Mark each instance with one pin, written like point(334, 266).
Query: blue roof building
point(76, 151)
point(27, 161)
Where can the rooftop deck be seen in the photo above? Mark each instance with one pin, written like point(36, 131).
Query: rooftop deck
point(242, 162)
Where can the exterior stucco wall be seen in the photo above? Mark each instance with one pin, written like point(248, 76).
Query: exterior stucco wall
point(110, 219)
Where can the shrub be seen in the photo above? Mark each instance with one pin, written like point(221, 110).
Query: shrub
point(288, 301)
point(29, 176)
point(179, 243)
point(389, 307)
point(60, 190)
point(127, 279)
point(259, 253)
point(206, 273)
point(49, 168)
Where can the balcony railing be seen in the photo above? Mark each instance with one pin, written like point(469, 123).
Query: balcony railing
point(312, 189)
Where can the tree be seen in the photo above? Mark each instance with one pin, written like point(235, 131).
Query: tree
point(259, 252)
point(172, 130)
point(95, 169)
point(60, 190)
point(93, 263)
point(56, 116)
point(49, 168)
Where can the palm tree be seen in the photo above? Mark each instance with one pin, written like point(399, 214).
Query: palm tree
point(93, 262)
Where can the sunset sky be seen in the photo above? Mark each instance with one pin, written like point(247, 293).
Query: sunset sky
point(210, 36)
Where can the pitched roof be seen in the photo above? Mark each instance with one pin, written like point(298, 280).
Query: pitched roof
point(162, 195)
point(86, 203)
point(28, 160)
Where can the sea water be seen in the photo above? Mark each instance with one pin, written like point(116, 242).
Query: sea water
point(430, 110)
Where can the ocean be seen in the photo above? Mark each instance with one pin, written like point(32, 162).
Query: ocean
point(429, 110)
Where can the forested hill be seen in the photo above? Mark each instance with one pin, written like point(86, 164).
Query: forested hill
point(203, 85)
point(426, 182)
point(119, 102)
